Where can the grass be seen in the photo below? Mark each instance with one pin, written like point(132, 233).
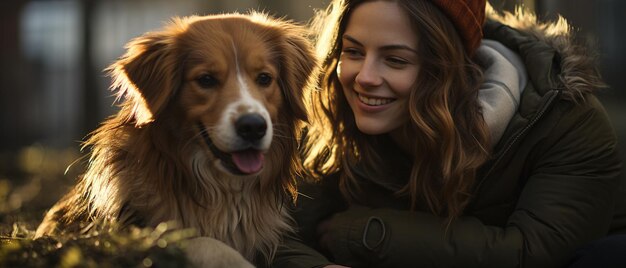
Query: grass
point(158, 247)
point(30, 182)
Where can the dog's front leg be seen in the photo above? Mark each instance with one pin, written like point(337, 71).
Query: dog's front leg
point(209, 252)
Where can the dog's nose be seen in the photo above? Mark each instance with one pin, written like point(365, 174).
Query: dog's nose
point(251, 127)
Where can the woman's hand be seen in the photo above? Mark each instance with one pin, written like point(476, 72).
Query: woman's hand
point(325, 233)
point(334, 231)
point(334, 234)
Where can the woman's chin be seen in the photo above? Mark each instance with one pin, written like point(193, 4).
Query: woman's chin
point(372, 127)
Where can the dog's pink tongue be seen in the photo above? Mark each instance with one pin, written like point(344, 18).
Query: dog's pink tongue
point(250, 161)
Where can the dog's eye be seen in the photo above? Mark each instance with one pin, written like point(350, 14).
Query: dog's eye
point(264, 79)
point(207, 81)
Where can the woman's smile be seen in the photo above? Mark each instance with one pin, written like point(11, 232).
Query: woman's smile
point(378, 66)
point(373, 100)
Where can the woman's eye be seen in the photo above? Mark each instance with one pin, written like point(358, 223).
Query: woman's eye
point(397, 61)
point(264, 79)
point(207, 81)
point(351, 52)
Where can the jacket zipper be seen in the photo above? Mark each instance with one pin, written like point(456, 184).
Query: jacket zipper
point(520, 134)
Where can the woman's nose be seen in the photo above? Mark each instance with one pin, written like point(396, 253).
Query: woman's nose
point(369, 75)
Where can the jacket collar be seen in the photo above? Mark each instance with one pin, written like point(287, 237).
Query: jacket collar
point(543, 66)
point(553, 56)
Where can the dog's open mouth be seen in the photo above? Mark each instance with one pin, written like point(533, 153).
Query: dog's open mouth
point(244, 162)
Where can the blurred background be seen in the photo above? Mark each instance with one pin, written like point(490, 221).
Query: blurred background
point(53, 91)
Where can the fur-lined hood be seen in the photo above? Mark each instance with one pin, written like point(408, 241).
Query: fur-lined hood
point(575, 63)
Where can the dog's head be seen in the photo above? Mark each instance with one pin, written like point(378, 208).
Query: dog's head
point(236, 80)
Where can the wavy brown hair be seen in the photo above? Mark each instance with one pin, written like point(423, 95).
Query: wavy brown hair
point(450, 136)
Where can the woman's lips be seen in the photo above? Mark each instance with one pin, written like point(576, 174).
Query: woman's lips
point(374, 101)
point(372, 104)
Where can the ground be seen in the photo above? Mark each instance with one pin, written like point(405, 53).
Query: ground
point(31, 180)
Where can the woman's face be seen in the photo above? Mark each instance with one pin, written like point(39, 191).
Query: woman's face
point(378, 66)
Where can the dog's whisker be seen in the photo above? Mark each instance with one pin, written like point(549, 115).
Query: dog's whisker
point(281, 125)
point(190, 141)
point(283, 136)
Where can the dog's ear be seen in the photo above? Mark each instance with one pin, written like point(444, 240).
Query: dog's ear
point(297, 63)
point(146, 76)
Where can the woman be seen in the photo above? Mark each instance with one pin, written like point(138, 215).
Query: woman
point(436, 146)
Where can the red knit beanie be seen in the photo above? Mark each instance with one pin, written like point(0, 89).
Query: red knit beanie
point(468, 17)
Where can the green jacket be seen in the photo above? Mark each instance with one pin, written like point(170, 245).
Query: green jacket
point(550, 187)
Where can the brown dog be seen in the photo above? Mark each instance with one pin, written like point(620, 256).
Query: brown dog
point(206, 134)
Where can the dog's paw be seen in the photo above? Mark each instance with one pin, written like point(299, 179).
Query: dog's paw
point(208, 252)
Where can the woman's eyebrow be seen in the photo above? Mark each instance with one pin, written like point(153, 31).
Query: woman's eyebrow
point(386, 47)
point(352, 39)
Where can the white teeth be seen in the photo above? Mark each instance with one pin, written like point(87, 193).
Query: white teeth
point(373, 101)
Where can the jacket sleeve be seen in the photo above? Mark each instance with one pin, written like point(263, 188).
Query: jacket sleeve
point(566, 202)
point(293, 253)
point(398, 238)
point(316, 201)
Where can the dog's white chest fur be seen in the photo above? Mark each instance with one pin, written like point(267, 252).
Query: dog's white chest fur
point(232, 209)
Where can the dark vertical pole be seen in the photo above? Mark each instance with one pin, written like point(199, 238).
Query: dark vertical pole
point(90, 102)
point(14, 80)
point(540, 10)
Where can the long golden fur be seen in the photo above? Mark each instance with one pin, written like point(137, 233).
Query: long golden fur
point(179, 87)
